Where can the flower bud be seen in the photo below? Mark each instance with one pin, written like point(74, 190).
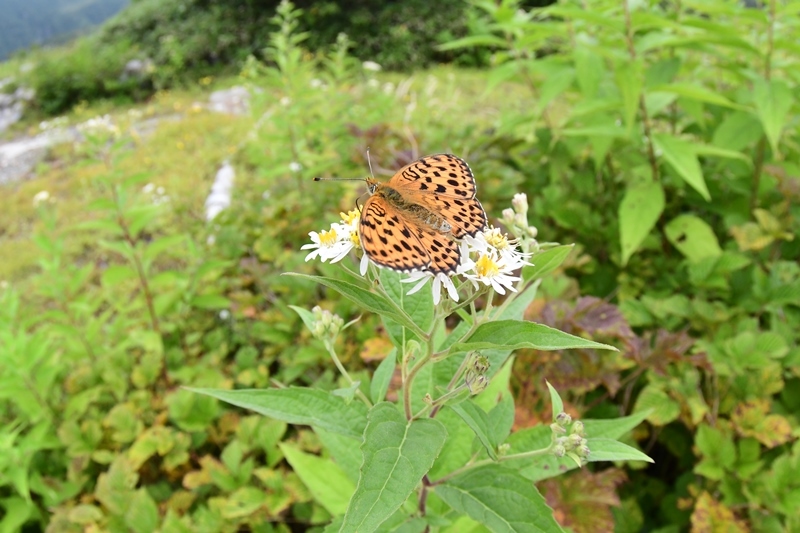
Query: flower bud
point(326, 325)
point(559, 450)
point(558, 430)
point(563, 419)
point(508, 217)
point(577, 429)
point(477, 385)
point(520, 203)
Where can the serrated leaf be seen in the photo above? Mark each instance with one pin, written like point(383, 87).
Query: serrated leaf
point(516, 334)
point(297, 405)
point(499, 498)
point(639, 211)
point(680, 155)
point(396, 455)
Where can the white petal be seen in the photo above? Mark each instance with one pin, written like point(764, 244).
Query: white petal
point(364, 264)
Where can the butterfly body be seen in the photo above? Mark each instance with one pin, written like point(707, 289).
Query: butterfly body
point(411, 223)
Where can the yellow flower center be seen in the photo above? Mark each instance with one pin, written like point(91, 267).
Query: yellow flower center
point(496, 239)
point(354, 239)
point(350, 216)
point(486, 267)
point(327, 238)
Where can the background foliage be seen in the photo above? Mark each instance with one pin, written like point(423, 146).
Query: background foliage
point(660, 137)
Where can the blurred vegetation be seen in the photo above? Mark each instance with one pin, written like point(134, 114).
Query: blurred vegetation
point(660, 139)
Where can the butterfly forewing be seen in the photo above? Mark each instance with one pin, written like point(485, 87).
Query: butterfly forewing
point(444, 184)
point(389, 240)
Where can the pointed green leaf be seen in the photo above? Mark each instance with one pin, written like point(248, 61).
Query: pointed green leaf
point(555, 401)
point(773, 100)
point(629, 79)
point(516, 334)
point(737, 131)
point(396, 455)
point(546, 261)
point(358, 295)
point(682, 158)
point(500, 499)
point(329, 485)
point(382, 377)
point(613, 428)
point(478, 421)
point(696, 92)
point(296, 405)
point(612, 450)
point(639, 211)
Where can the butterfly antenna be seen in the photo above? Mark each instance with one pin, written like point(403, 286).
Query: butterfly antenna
point(369, 162)
point(338, 179)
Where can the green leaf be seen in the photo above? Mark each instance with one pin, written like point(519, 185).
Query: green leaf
point(501, 417)
point(500, 499)
point(516, 334)
point(682, 158)
point(141, 515)
point(297, 405)
point(589, 71)
point(713, 151)
point(382, 377)
point(364, 298)
point(773, 100)
point(693, 237)
point(472, 41)
point(305, 315)
point(613, 428)
point(328, 484)
point(612, 450)
point(629, 79)
point(639, 211)
point(210, 301)
point(396, 455)
point(737, 131)
point(478, 421)
point(546, 261)
point(660, 408)
point(116, 274)
point(555, 401)
point(418, 306)
point(696, 92)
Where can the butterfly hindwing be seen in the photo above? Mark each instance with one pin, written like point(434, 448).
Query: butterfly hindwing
point(389, 240)
point(444, 184)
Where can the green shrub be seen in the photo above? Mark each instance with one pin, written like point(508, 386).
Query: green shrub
point(661, 138)
point(85, 71)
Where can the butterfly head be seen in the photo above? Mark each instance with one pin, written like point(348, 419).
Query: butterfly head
point(372, 185)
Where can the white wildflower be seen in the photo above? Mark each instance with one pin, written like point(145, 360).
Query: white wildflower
point(439, 279)
point(220, 196)
point(333, 244)
point(41, 197)
point(294, 166)
point(371, 66)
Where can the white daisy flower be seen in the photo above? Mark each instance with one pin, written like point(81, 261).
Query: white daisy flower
point(492, 241)
point(439, 279)
point(490, 270)
point(333, 245)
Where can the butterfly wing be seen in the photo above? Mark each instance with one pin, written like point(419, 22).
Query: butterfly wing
point(392, 241)
point(444, 184)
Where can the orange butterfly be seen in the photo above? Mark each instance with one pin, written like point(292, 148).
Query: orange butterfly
point(411, 222)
